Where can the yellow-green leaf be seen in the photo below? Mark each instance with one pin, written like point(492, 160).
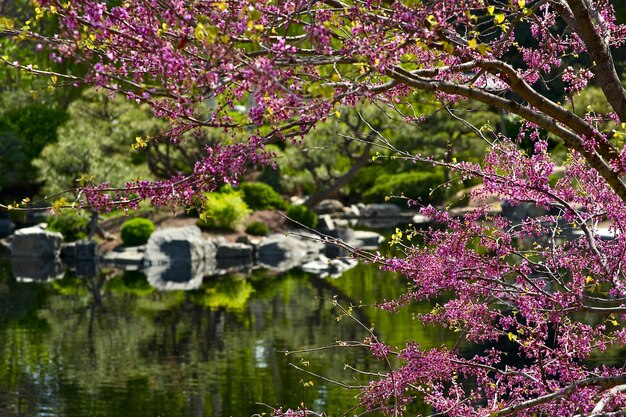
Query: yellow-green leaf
point(6, 23)
point(200, 32)
point(499, 18)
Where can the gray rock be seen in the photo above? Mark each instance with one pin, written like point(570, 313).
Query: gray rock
point(281, 253)
point(5, 248)
point(68, 251)
point(421, 219)
point(363, 239)
point(325, 223)
point(380, 210)
point(521, 211)
point(329, 207)
point(175, 245)
point(344, 234)
point(34, 242)
point(7, 227)
point(249, 240)
point(86, 250)
point(127, 258)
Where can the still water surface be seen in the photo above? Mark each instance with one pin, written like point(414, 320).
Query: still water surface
point(115, 347)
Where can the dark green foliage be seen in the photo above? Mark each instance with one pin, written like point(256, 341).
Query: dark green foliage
point(425, 187)
point(24, 131)
point(15, 168)
point(366, 179)
point(260, 196)
point(136, 231)
point(302, 215)
point(36, 124)
point(72, 225)
point(257, 229)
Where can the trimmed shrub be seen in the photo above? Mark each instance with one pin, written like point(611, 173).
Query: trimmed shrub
point(260, 196)
point(257, 229)
point(137, 231)
point(223, 210)
point(72, 225)
point(302, 215)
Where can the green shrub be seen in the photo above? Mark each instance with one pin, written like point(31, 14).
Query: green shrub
point(72, 225)
point(224, 210)
point(302, 215)
point(260, 196)
point(137, 231)
point(419, 185)
point(257, 229)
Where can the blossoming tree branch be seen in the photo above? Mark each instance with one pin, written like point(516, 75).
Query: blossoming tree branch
point(292, 64)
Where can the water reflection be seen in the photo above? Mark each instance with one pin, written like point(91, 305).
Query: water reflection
point(114, 345)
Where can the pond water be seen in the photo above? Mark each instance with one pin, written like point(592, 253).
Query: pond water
point(114, 346)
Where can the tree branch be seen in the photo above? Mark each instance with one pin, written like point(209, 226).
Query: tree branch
point(598, 49)
point(604, 382)
point(570, 139)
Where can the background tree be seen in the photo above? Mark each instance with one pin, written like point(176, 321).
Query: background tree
point(95, 144)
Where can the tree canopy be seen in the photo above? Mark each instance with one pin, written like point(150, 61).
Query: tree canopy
point(271, 71)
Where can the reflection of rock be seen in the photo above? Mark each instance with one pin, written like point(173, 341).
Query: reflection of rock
point(27, 269)
point(234, 251)
point(232, 257)
point(126, 258)
point(176, 275)
point(174, 245)
point(6, 227)
point(362, 239)
point(5, 248)
point(36, 243)
point(324, 267)
point(281, 253)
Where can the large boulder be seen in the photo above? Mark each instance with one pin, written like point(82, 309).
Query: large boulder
point(281, 252)
point(179, 245)
point(366, 240)
point(36, 243)
point(329, 207)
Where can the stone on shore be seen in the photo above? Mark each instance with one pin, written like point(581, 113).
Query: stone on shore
point(36, 243)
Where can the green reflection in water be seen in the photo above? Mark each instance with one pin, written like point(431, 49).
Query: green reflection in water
point(116, 347)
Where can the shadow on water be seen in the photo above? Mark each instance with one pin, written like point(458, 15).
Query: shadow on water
point(110, 344)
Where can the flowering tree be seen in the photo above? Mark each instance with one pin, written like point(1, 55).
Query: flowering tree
point(291, 64)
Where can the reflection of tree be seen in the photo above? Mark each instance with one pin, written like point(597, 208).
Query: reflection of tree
point(170, 353)
point(230, 292)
